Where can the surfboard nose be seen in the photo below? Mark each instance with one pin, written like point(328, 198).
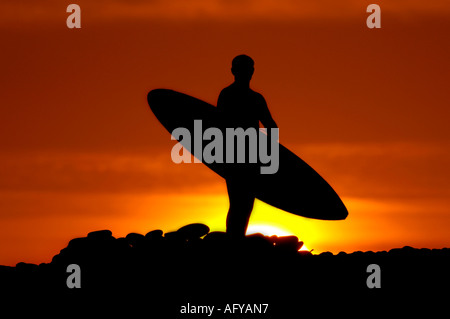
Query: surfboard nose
point(336, 207)
point(343, 215)
point(329, 209)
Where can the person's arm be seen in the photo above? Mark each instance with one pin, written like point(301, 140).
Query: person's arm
point(221, 102)
point(266, 118)
point(221, 110)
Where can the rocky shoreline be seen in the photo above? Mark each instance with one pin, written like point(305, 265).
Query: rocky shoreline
point(193, 264)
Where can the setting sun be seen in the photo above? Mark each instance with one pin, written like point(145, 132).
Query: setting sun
point(267, 230)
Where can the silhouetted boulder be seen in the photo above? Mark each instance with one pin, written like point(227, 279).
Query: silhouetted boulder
point(26, 267)
point(134, 239)
point(426, 252)
point(78, 243)
point(122, 242)
point(216, 236)
point(6, 269)
point(273, 239)
point(154, 234)
point(357, 253)
point(173, 235)
point(288, 243)
point(326, 254)
point(100, 234)
point(259, 241)
point(304, 253)
point(193, 231)
point(216, 242)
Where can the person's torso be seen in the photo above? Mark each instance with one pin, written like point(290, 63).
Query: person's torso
point(241, 108)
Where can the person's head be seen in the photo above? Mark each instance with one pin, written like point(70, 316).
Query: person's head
point(242, 68)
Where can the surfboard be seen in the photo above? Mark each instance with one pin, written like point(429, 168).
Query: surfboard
point(295, 188)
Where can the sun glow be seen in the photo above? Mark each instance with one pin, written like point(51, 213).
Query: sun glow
point(267, 230)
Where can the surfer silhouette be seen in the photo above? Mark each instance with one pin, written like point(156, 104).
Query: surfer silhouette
point(240, 106)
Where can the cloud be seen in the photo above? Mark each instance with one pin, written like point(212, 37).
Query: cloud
point(99, 173)
point(364, 170)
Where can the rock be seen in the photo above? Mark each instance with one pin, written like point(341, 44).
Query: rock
point(395, 251)
point(425, 252)
point(154, 234)
point(255, 235)
point(122, 249)
point(100, 234)
point(216, 236)
point(26, 267)
point(288, 243)
point(382, 253)
point(122, 243)
point(326, 254)
point(287, 240)
point(405, 251)
point(193, 231)
point(258, 241)
point(173, 241)
point(305, 253)
point(135, 238)
point(273, 239)
point(173, 235)
point(259, 237)
point(78, 243)
point(357, 253)
point(6, 270)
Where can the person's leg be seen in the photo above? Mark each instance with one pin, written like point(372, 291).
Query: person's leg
point(242, 198)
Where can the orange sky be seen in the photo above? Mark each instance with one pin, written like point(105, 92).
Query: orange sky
point(80, 150)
